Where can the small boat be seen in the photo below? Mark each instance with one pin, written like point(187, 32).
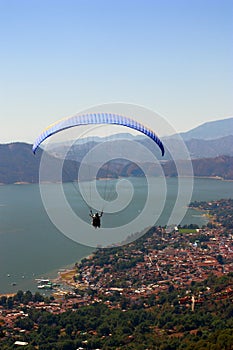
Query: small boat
point(42, 280)
point(45, 286)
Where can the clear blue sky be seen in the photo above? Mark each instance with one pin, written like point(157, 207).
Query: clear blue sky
point(60, 56)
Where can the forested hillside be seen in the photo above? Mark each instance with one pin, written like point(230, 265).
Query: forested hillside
point(19, 164)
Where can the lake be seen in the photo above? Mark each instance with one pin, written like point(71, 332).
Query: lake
point(32, 247)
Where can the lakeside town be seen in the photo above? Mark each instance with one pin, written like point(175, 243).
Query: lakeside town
point(121, 277)
point(160, 258)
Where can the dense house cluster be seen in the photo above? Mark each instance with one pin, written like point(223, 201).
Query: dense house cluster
point(160, 260)
point(176, 259)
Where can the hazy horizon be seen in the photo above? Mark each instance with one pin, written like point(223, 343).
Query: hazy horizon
point(106, 134)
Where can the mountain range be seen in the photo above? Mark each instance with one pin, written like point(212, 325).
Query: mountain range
point(211, 156)
point(210, 130)
point(207, 145)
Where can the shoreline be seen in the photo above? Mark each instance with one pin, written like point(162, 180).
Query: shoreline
point(67, 276)
point(117, 178)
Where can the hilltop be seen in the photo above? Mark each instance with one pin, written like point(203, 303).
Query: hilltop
point(210, 130)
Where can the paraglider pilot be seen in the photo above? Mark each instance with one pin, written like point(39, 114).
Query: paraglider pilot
point(95, 218)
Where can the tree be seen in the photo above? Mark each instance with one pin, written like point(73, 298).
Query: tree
point(19, 296)
point(24, 323)
point(220, 259)
point(38, 297)
point(104, 329)
point(10, 303)
point(3, 300)
point(69, 329)
point(27, 297)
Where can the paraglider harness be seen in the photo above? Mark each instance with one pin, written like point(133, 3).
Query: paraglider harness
point(95, 218)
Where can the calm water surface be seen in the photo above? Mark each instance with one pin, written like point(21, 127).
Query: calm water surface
point(31, 247)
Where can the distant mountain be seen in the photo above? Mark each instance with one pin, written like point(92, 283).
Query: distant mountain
point(210, 146)
point(90, 139)
point(19, 164)
point(208, 140)
point(214, 167)
point(199, 148)
point(219, 167)
point(210, 130)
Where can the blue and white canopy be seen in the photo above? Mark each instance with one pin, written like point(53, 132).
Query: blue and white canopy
point(96, 118)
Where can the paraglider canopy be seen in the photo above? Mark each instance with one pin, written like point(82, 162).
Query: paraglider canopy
point(96, 118)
